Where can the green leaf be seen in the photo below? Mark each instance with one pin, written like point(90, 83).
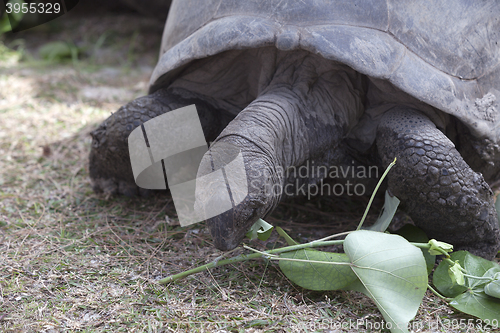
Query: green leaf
point(477, 303)
point(414, 234)
point(474, 265)
point(493, 272)
point(393, 272)
point(438, 248)
point(470, 298)
point(260, 229)
point(289, 240)
point(318, 276)
point(442, 281)
point(478, 266)
point(390, 206)
point(493, 288)
point(456, 275)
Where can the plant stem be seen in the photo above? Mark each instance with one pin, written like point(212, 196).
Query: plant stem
point(438, 294)
point(277, 257)
point(375, 192)
point(479, 277)
point(213, 264)
point(244, 257)
point(421, 245)
point(332, 236)
point(452, 263)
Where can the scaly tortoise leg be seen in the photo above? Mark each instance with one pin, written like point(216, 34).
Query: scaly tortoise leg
point(439, 191)
point(110, 168)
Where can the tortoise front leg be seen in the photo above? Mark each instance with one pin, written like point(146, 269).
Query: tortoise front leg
point(109, 166)
point(438, 189)
point(300, 118)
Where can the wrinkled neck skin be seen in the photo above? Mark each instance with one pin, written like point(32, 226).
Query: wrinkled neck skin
point(299, 119)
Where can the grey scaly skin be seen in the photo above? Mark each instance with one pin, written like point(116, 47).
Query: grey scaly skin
point(440, 192)
point(294, 120)
point(304, 114)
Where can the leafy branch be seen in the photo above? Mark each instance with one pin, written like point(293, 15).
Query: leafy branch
point(388, 268)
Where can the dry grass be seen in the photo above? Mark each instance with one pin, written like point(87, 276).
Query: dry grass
point(72, 261)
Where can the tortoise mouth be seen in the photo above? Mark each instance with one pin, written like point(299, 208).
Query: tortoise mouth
point(229, 228)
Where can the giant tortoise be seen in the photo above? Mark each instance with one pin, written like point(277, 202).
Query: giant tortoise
point(333, 82)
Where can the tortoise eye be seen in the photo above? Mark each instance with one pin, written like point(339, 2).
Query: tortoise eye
point(95, 142)
point(95, 139)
